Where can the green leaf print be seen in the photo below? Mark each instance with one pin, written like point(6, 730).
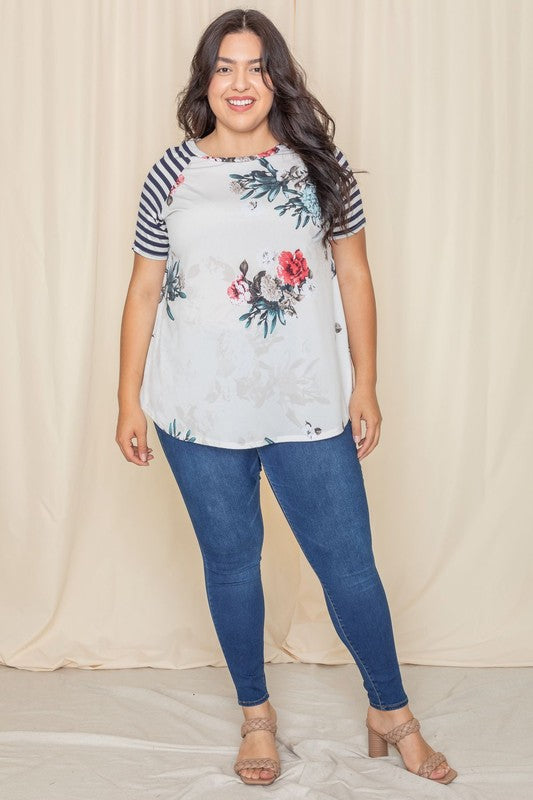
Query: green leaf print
point(271, 297)
point(172, 286)
point(294, 184)
point(172, 432)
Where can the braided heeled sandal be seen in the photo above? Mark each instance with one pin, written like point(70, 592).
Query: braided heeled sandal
point(256, 724)
point(378, 746)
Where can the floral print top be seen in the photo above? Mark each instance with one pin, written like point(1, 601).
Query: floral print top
point(249, 345)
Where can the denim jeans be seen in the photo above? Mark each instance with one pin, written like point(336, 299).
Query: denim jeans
point(320, 488)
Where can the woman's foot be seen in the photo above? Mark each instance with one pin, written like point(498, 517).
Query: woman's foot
point(413, 748)
point(258, 744)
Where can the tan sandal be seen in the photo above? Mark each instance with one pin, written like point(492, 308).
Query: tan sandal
point(256, 724)
point(378, 746)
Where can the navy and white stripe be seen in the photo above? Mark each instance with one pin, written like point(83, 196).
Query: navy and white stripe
point(151, 235)
point(356, 217)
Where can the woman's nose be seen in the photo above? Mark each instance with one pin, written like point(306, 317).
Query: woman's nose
point(241, 81)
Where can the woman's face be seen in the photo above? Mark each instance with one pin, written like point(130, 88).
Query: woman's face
point(238, 76)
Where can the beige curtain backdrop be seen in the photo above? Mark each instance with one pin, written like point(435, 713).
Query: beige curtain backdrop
point(99, 563)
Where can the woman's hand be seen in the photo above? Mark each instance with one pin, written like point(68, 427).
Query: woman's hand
point(364, 405)
point(132, 424)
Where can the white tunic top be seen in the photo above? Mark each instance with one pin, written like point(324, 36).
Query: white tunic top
point(249, 345)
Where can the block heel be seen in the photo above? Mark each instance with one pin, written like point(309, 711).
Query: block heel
point(378, 746)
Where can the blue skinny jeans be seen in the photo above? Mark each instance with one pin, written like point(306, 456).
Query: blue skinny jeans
point(320, 488)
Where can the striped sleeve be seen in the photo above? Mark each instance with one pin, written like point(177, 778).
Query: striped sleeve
point(151, 235)
point(355, 213)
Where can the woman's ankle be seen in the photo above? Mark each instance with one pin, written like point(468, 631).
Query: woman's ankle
point(259, 710)
point(402, 713)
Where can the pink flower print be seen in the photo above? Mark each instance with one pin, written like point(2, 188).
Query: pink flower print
point(179, 180)
point(292, 269)
point(238, 291)
point(271, 297)
point(268, 152)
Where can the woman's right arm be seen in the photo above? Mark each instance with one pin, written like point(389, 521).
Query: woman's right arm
point(136, 331)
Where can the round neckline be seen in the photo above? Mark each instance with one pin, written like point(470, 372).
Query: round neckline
point(280, 147)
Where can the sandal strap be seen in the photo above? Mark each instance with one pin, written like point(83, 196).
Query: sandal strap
point(257, 763)
point(431, 763)
point(258, 724)
point(397, 733)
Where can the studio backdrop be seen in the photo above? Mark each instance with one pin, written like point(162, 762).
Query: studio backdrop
point(99, 562)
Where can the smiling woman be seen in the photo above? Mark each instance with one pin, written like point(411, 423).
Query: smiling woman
point(254, 98)
point(240, 353)
point(247, 93)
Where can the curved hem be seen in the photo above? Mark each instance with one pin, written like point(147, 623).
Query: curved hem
point(274, 440)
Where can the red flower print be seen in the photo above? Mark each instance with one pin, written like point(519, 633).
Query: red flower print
point(271, 298)
point(292, 269)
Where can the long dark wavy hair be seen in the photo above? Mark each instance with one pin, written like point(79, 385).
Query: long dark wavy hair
point(296, 118)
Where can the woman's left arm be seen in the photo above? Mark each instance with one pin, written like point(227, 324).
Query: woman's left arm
point(358, 300)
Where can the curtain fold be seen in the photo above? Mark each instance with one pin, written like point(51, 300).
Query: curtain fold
point(100, 566)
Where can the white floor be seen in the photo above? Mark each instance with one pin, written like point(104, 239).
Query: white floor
point(151, 734)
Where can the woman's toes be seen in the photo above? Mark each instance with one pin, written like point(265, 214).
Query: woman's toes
point(262, 774)
point(251, 774)
point(440, 772)
point(258, 773)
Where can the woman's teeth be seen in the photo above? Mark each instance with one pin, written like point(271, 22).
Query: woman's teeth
point(240, 102)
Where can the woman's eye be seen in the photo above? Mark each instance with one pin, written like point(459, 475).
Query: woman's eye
point(258, 69)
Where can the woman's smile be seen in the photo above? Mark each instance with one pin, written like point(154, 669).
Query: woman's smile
point(240, 104)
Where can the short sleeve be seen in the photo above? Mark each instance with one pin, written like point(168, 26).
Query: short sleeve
point(355, 219)
point(151, 235)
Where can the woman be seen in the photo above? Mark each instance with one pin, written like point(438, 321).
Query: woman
point(250, 285)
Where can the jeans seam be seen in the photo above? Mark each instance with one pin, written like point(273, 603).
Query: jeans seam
point(351, 645)
point(332, 604)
